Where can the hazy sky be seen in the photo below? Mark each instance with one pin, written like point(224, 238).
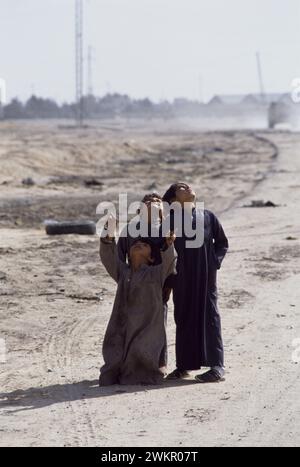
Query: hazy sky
point(155, 48)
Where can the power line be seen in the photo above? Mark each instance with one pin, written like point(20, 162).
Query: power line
point(260, 77)
point(79, 60)
point(90, 71)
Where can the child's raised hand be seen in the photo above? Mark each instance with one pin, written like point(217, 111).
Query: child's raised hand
point(170, 238)
point(110, 227)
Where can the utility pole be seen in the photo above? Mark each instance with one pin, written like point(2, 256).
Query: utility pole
point(260, 78)
point(79, 60)
point(90, 71)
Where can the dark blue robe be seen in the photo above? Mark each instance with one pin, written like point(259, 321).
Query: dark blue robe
point(198, 324)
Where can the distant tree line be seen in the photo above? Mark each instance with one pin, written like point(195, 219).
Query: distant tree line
point(108, 106)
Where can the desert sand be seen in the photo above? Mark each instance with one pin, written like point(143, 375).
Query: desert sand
point(55, 297)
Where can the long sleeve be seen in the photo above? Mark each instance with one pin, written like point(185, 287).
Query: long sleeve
point(169, 260)
point(122, 249)
point(220, 241)
point(109, 258)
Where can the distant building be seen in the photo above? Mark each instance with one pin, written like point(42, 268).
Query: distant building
point(286, 99)
point(268, 98)
point(215, 102)
point(231, 99)
point(249, 99)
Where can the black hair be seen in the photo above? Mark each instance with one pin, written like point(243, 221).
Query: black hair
point(147, 198)
point(151, 196)
point(155, 249)
point(170, 194)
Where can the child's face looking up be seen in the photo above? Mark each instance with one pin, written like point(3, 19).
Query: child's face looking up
point(185, 194)
point(140, 252)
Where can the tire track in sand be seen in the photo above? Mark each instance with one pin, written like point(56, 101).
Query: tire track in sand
point(58, 351)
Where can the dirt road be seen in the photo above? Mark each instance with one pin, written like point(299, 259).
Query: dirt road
point(56, 298)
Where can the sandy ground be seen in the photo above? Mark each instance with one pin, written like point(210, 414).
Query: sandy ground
point(55, 298)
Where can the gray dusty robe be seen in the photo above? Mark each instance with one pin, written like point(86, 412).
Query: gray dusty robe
point(125, 242)
point(135, 335)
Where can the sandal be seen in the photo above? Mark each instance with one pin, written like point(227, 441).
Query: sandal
point(211, 376)
point(178, 374)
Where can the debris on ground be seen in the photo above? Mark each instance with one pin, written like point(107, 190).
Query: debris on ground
point(70, 227)
point(93, 182)
point(261, 204)
point(28, 181)
point(3, 276)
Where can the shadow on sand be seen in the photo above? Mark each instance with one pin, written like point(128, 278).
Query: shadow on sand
point(39, 397)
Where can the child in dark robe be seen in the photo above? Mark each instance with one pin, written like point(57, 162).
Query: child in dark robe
point(135, 335)
point(198, 324)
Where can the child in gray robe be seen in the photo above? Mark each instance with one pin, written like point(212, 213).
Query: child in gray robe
point(151, 213)
point(135, 335)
